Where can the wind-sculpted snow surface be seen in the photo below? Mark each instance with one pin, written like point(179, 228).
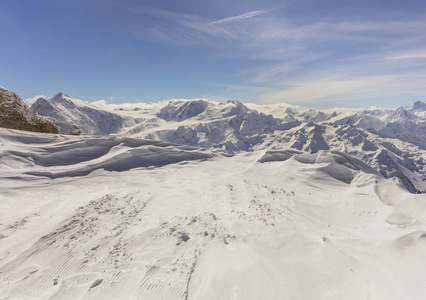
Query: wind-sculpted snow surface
point(335, 164)
point(233, 127)
point(120, 218)
point(90, 154)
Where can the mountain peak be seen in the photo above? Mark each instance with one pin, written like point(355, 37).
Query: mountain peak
point(236, 102)
point(40, 102)
point(417, 106)
point(401, 115)
point(60, 95)
point(63, 99)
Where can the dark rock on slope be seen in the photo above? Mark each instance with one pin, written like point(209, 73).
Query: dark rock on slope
point(15, 114)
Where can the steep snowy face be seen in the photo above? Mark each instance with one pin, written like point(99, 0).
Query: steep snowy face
point(414, 133)
point(15, 114)
point(43, 105)
point(360, 120)
point(309, 138)
point(181, 110)
point(74, 116)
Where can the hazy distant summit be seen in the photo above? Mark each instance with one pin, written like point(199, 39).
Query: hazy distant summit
point(417, 106)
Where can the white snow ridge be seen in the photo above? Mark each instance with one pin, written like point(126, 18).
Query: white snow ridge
point(192, 199)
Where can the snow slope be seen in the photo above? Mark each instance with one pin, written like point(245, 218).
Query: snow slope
point(120, 218)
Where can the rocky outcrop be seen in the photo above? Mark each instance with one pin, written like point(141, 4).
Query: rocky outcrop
point(15, 114)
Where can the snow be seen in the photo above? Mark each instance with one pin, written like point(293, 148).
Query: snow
point(234, 127)
point(400, 115)
point(417, 106)
point(194, 199)
point(152, 220)
point(181, 110)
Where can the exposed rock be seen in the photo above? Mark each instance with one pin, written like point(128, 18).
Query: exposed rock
point(15, 114)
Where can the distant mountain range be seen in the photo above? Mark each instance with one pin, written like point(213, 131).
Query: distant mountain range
point(392, 141)
point(389, 140)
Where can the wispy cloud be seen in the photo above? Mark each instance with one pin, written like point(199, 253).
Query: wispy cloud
point(242, 16)
point(329, 90)
point(410, 55)
point(371, 26)
point(297, 60)
point(176, 28)
point(305, 92)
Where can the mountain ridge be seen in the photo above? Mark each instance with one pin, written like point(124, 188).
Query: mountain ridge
point(235, 127)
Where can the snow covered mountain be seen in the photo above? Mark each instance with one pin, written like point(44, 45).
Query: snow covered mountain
point(417, 107)
point(15, 114)
point(193, 199)
point(85, 217)
point(391, 141)
point(75, 117)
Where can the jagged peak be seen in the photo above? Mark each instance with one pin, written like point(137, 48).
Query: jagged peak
point(241, 108)
point(236, 102)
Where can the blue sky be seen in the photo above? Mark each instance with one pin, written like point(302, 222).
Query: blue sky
point(315, 53)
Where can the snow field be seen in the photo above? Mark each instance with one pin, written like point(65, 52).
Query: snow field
point(196, 224)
